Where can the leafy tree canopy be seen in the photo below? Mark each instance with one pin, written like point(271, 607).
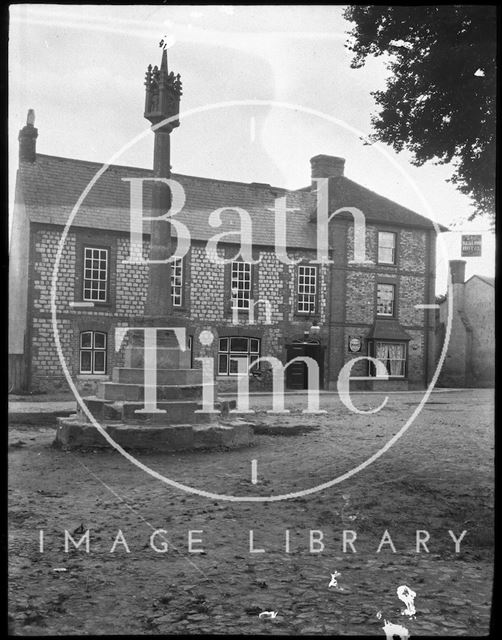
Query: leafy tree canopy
point(440, 99)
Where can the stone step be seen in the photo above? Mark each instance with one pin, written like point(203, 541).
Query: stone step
point(100, 409)
point(177, 412)
point(73, 433)
point(126, 391)
point(164, 376)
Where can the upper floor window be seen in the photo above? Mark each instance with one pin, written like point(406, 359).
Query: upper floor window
point(177, 282)
point(233, 349)
point(386, 299)
point(240, 284)
point(386, 247)
point(95, 274)
point(306, 289)
point(92, 352)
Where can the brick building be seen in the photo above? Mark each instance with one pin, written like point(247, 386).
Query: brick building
point(470, 356)
point(332, 312)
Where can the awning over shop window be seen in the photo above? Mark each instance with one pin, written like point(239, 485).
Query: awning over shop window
point(387, 329)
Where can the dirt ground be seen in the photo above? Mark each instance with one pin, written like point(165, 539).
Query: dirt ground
point(437, 477)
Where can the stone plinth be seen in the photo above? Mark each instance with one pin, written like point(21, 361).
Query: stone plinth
point(177, 423)
point(168, 352)
point(74, 433)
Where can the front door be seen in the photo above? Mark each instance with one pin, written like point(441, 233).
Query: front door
point(297, 373)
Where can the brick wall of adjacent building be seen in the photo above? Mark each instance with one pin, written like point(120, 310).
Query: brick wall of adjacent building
point(469, 359)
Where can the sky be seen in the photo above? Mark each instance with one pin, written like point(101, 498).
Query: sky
point(265, 88)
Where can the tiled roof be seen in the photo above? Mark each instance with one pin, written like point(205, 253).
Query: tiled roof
point(52, 185)
point(346, 192)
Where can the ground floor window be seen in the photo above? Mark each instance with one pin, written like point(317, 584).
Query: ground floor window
point(233, 349)
point(392, 355)
point(92, 352)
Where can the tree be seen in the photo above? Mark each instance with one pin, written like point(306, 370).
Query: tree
point(440, 99)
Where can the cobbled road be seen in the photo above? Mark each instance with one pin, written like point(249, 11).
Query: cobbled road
point(437, 477)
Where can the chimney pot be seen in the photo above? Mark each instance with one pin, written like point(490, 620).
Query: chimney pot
point(28, 139)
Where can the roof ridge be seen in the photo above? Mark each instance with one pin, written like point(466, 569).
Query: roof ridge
point(487, 279)
point(253, 184)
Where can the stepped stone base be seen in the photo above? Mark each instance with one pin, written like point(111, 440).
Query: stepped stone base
point(164, 376)
point(173, 421)
point(170, 412)
point(76, 433)
point(127, 391)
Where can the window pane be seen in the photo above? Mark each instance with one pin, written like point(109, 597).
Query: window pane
point(396, 359)
point(223, 344)
point(222, 364)
point(99, 340)
point(99, 361)
point(386, 255)
point(255, 345)
point(234, 363)
point(86, 340)
point(385, 299)
point(86, 362)
point(386, 247)
point(253, 358)
point(238, 344)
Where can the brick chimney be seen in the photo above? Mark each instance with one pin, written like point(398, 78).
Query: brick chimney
point(457, 269)
point(326, 166)
point(28, 139)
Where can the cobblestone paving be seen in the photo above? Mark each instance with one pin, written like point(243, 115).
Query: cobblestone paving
point(437, 477)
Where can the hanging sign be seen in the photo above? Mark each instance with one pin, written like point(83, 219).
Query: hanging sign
point(471, 246)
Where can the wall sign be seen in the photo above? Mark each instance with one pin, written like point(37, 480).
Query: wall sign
point(355, 344)
point(471, 246)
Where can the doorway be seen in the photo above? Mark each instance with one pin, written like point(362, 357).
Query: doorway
point(297, 373)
